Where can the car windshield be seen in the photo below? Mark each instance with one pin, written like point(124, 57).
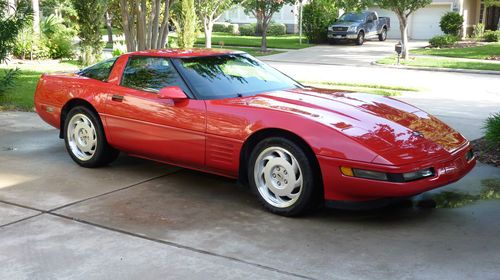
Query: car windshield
point(352, 17)
point(231, 75)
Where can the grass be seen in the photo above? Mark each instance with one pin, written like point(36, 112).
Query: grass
point(116, 31)
point(480, 52)
point(278, 42)
point(367, 88)
point(20, 97)
point(249, 50)
point(442, 63)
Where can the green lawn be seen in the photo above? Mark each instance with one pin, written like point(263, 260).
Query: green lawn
point(481, 52)
point(20, 97)
point(116, 31)
point(252, 51)
point(442, 63)
point(278, 42)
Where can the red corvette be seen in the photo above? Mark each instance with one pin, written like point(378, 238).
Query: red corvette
point(227, 113)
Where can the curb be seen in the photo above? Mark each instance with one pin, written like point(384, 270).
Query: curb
point(436, 69)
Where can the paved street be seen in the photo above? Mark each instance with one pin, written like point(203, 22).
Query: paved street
point(344, 53)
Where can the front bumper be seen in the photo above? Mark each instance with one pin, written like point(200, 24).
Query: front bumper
point(341, 35)
point(338, 187)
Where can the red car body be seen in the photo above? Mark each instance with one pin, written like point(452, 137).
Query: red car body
point(341, 128)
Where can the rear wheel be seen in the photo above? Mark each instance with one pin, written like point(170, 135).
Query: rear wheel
point(85, 140)
point(361, 38)
point(282, 176)
point(383, 36)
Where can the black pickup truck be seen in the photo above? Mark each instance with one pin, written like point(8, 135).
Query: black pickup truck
point(358, 27)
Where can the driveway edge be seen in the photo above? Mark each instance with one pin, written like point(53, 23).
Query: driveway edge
point(437, 69)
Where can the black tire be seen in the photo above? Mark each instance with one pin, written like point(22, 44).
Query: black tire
point(383, 36)
point(310, 195)
point(361, 38)
point(103, 154)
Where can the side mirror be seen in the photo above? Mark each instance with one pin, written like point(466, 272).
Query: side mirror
point(172, 92)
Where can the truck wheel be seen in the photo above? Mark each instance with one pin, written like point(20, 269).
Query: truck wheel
point(382, 36)
point(361, 38)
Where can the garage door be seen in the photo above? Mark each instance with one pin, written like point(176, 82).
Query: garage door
point(394, 32)
point(424, 23)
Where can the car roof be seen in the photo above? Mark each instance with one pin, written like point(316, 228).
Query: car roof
point(193, 52)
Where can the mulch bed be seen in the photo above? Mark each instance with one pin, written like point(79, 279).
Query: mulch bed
point(486, 153)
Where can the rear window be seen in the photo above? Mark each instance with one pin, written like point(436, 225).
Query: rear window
point(99, 71)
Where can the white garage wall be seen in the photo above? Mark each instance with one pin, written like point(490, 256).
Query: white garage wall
point(425, 22)
point(422, 25)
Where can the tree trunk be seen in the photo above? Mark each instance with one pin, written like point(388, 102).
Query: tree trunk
point(163, 36)
point(128, 23)
point(484, 14)
point(208, 26)
point(141, 24)
point(35, 5)
point(259, 28)
point(109, 28)
point(403, 26)
point(263, 45)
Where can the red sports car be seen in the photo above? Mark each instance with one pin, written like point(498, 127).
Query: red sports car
point(225, 112)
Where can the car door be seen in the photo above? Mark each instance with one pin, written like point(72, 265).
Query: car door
point(142, 124)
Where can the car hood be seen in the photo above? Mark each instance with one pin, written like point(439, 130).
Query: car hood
point(396, 131)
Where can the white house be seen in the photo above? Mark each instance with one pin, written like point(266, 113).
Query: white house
point(288, 15)
point(423, 24)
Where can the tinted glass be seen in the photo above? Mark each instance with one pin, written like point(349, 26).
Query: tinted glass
point(99, 71)
point(215, 77)
point(352, 17)
point(151, 74)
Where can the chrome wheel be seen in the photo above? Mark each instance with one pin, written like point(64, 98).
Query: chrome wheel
point(82, 137)
point(278, 177)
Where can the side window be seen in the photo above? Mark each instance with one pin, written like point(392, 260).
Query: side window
point(99, 71)
point(151, 74)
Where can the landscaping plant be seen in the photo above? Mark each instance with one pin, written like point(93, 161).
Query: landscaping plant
point(90, 18)
point(441, 41)
point(316, 17)
point(492, 36)
point(184, 20)
point(451, 23)
point(478, 31)
point(492, 128)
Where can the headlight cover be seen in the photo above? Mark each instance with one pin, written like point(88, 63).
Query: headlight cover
point(390, 177)
point(352, 28)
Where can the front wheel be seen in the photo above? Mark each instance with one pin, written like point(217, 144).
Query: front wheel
point(282, 176)
point(361, 38)
point(85, 140)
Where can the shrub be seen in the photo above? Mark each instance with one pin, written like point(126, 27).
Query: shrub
point(220, 27)
point(276, 29)
point(478, 31)
point(492, 127)
point(451, 23)
point(492, 36)
point(248, 29)
point(59, 45)
point(317, 16)
point(233, 29)
point(7, 80)
point(443, 41)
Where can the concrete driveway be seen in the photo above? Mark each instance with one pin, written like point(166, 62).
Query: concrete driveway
point(138, 219)
point(343, 53)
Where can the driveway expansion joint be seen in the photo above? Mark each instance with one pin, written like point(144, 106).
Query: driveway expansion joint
point(183, 247)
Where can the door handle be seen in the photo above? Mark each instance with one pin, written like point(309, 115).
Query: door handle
point(117, 98)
